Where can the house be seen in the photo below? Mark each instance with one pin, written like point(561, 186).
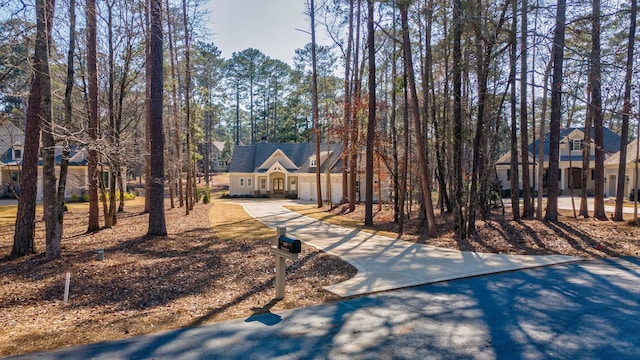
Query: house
point(217, 160)
point(289, 170)
point(11, 149)
point(570, 161)
point(632, 179)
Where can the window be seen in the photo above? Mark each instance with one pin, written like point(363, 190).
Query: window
point(576, 145)
point(17, 154)
point(312, 162)
point(249, 182)
point(508, 174)
point(105, 179)
point(263, 184)
point(292, 185)
point(241, 182)
point(593, 174)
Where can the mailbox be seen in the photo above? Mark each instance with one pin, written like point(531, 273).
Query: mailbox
point(288, 244)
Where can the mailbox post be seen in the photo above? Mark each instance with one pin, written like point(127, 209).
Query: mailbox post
point(283, 249)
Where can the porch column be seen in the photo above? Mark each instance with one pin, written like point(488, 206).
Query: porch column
point(563, 176)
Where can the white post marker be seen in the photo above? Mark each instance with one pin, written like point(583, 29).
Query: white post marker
point(66, 287)
point(281, 262)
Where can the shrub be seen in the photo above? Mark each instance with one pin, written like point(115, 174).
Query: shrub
point(85, 197)
point(74, 197)
point(206, 197)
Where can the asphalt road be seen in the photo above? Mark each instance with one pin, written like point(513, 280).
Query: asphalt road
point(585, 310)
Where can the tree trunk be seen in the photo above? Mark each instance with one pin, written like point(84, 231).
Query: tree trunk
point(527, 209)
point(596, 108)
point(556, 112)
point(586, 155)
point(458, 214)
point(543, 117)
point(157, 226)
point(371, 124)
point(92, 73)
point(187, 106)
point(423, 168)
point(38, 108)
point(314, 101)
point(177, 142)
point(626, 112)
point(515, 187)
point(354, 131)
point(348, 107)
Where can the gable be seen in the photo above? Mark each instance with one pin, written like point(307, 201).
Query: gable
point(278, 157)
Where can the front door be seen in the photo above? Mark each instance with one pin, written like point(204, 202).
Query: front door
point(576, 178)
point(278, 186)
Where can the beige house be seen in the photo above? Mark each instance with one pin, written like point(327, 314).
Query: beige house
point(11, 150)
point(632, 179)
point(570, 161)
point(289, 170)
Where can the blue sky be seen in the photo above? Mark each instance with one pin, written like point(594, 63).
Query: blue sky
point(267, 25)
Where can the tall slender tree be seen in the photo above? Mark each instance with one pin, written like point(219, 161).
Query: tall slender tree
point(556, 112)
point(527, 209)
point(38, 110)
point(425, 177)
point(371, 124)
point(92, 74)
point(157, 226)
point(458, 201)
point(626, 112)
point(314, 99)
point(596, 110)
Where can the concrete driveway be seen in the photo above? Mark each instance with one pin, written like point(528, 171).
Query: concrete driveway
point(385, 263)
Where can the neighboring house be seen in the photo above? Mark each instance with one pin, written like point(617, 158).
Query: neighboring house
point(570, 162)
point(631, 177)
point(219, 165)
point(11, 147)
point(289, 170)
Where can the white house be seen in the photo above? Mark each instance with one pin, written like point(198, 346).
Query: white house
point(289, 170)
point(570, 162)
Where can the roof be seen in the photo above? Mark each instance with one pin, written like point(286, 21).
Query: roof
point(506, 158)
point(611, 142)
point(250, 158)
point(632, 154)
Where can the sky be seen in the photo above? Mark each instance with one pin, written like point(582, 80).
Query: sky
point(267, 25)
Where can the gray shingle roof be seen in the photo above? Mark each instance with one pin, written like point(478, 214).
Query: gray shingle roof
point(248, 158)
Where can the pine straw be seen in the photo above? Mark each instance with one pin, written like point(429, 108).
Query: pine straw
point(586, 238)
point(192, 276)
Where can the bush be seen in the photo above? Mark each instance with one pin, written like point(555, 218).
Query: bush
point(206, 197)
point(85, 197)
point(74, 197)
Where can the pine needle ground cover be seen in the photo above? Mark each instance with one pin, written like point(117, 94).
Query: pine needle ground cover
point(214, 265)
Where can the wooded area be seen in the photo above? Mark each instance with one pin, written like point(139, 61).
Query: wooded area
point(434, 91)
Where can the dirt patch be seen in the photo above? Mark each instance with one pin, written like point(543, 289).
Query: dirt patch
point(190, 277)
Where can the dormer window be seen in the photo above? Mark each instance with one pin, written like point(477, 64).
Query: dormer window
point(576, 145)
point(17, 154)
point(312, 162)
